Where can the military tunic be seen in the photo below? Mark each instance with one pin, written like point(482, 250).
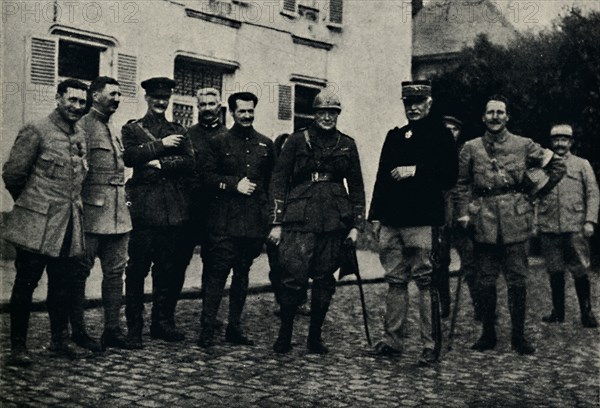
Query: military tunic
point(237, 223)
point(562, 214)
point(44, 173)
point(159, 209)
point(316, 211)
point(106, 218)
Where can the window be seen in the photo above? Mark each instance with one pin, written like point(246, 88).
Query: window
point(77, 60)
point(303, 111)
point(192, 75)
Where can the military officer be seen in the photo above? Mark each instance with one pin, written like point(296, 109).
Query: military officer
point(161, 157)
point(237, 168)
point(209, 125)
point(312, 214)
point(418, 162)
point(567, 218)
point(455, 236)
point(106, 219)
point(493, 198)
point(44, 173)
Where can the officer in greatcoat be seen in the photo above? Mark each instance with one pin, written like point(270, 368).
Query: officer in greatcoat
point(567, 218)
point(312, 214)
point(106, 219)
point(495, 199)
point(161, 157)
point(418, 162)
point(237, 169)
point(43, 174)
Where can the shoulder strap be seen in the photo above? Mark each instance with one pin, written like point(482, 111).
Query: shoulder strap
point(307, 139)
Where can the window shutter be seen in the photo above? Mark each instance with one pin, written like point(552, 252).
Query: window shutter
point(285, 102)
point(336, 8)
point(127, 74)
point(289, 6)
point(43, 61)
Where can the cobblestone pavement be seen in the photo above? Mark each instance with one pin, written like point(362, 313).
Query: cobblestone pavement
point(564, 372)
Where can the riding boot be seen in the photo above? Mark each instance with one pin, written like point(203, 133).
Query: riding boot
point(283, 344)
point(517, 300)
point(487, 303)
point(557, 286)
point(582, 287)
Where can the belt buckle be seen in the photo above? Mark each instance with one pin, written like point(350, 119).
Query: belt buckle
point(314, 176)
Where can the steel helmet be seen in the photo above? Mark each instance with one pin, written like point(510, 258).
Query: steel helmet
point(327, 100)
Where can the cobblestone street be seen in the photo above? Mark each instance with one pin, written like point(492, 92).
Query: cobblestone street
point(564, 372)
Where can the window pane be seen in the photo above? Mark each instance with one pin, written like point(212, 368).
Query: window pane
point(78, 61)
point(192, 75)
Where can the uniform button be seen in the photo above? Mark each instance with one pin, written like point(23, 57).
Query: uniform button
point(247, 165)
point(247, 151)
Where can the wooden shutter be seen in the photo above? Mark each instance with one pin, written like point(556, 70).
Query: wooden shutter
point(43, 61)
point(127, 74)
point(285, 102)
point(289, 6)
point(336, 8)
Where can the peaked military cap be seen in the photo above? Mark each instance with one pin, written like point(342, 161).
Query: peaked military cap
point(416, 89)
point(453, 120)
point(159, 86)
point(561, 130)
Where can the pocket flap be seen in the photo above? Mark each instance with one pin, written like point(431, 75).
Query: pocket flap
point(96, 200)
point(35, 205)
point(523, 208)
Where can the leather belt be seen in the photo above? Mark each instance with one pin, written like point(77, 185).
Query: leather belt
point(319, 176)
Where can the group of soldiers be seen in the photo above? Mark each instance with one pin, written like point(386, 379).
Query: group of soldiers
point(232, 190)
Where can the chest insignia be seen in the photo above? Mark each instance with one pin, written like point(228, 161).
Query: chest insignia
point(408, 134)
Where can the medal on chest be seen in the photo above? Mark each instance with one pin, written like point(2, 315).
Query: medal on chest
point(408, 134)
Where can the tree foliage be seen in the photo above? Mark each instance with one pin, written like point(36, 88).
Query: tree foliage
point(549, 77)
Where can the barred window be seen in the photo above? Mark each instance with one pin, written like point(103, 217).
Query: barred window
point(303, 111)
point(183, 114)
point(192, 75)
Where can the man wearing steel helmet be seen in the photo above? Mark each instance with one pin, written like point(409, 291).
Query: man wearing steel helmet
point(312, 214)
point(418, 162)
point(567, 218)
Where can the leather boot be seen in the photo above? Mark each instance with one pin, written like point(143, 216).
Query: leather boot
point(283, 344)
point(474, 292)
point(582, 287)
point(517, 300)
point(487, 303)
point(318, 311)
point(557, 286)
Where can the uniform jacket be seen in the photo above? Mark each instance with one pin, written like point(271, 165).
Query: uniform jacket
point(418, 200)
point(239, 153)
point(301, 204)
point(105, 208)
point(200, 135)
point(157, 196)
point(573, 201)
point(500, 207)
point(44, 174)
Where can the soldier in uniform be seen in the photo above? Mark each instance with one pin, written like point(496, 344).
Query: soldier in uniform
point(161, 157)
point(106, 219)
point(312, 214)
point(237, 168)
point(209, 126)
point(43, 174)
point(418, 162)
point(452, 235)
point(493, 198)
point(567, 218)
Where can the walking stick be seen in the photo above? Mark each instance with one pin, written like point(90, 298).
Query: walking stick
point(455, 311)
point(350, 267)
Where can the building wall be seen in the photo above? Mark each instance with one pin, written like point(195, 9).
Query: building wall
point(356, 59)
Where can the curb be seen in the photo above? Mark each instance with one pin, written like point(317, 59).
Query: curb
point(39, 306)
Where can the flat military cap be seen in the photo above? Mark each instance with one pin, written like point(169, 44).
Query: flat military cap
point(416, 89)
point(561, 130)
point(159, 86)
point(453, 120)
